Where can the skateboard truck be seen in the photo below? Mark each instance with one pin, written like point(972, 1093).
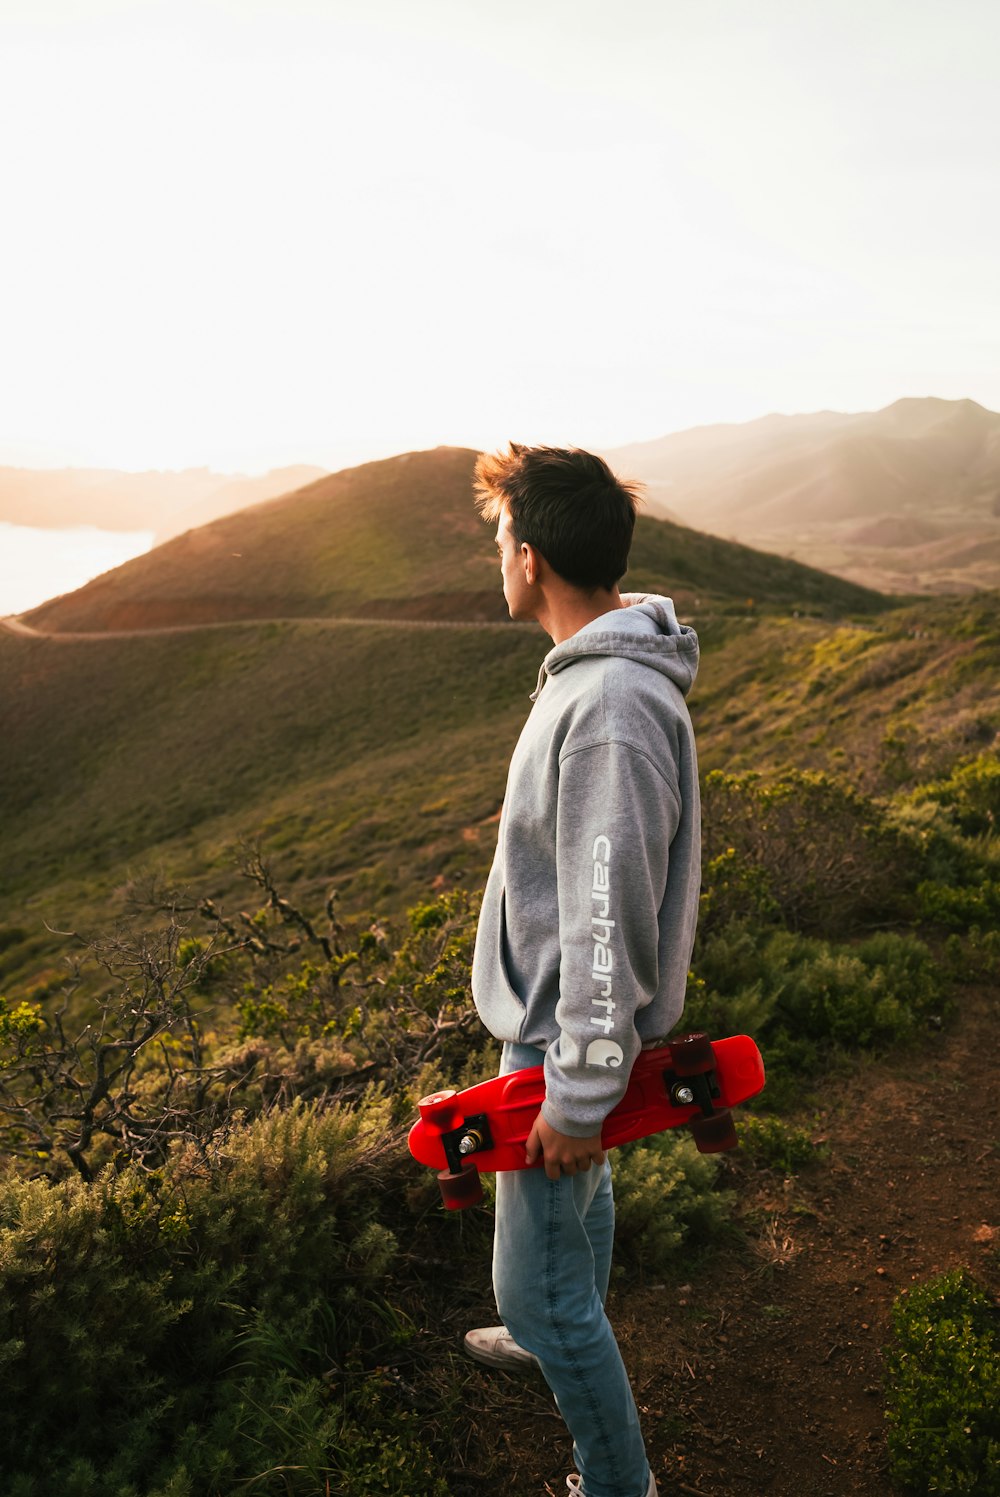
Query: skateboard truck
point(691, 1081)
point(473, 1136)
point(459, 1184)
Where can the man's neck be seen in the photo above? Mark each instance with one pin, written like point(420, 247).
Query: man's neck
point(566, 611)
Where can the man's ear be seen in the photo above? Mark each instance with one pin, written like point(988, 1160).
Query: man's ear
point(530, 559)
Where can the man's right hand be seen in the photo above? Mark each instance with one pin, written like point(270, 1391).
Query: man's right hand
point(563, 1154)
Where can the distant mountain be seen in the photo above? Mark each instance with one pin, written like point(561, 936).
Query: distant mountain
point(400, 538)
point(165, 502)
point(906, 499)
point(236, 494)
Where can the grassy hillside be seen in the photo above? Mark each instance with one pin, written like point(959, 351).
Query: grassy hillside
point(889, 702)
point(704, 573)
point(373, 757)
point(401, 539)
point(229, 1214)
point(358, 747)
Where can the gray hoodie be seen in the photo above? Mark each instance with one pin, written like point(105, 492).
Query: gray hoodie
point(589, 913)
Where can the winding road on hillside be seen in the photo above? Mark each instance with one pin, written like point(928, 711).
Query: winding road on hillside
point(14, 625)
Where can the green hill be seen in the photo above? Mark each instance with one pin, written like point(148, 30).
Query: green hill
point(372, 755)
point(230, 1196)
point(889, 702)
point(399, 539)
point(356, 747)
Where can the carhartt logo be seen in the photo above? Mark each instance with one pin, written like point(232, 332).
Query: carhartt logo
point(601, 926)
point(604, 1053)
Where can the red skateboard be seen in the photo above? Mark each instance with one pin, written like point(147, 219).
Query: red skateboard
point(690, 1079)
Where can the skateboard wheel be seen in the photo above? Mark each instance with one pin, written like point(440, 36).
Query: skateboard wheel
point(461, 1190)
point(691, 1054)
point(439, 1109)
point(714, 1134)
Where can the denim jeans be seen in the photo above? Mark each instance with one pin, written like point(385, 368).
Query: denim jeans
point(551, 1264)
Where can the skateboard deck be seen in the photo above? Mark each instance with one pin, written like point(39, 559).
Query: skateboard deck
point(688, 1080)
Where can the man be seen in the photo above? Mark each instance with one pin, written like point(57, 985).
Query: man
point(588, 921)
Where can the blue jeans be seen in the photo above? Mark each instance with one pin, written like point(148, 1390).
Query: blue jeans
point(551, 1264)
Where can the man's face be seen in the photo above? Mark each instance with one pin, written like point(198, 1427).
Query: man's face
point(517, 592)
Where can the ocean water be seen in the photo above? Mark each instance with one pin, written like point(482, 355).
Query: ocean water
point(36, 564)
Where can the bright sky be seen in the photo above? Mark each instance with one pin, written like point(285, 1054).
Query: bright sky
point(252, 232)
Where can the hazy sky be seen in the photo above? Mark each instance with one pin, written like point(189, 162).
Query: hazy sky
point(252, 232)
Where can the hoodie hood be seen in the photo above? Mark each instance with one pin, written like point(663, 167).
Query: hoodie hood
point(645, 630)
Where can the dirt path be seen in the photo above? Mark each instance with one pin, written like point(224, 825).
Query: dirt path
point(14, 625)
point(764, 1373)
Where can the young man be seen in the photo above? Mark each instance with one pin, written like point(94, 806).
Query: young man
point(588, 920)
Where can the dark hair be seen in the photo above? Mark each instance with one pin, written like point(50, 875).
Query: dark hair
point(567, 504)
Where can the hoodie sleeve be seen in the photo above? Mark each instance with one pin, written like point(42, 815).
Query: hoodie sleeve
point(616, 817)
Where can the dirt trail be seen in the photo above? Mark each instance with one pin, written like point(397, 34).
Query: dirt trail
point(764, 1373)
point(14, 625)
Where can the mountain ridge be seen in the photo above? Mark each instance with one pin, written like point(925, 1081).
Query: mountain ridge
point(801, 486)
point(396, 538)
point(804, 486)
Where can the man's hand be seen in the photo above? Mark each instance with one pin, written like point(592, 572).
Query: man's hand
point(563, 1154)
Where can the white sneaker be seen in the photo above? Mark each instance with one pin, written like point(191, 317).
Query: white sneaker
point(496, 1347)
point(575, 1484)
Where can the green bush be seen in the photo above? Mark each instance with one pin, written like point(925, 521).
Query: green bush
point(777, 1144)
point(970, 795)
point(382, 1446)
point(175, 1331)
point(390, 1009)
point(960, 906)
point(804, 999)
point(664, 1192)
point(955, 820)
point(805, 850)
point(864, 996)
point(974, 956)
point(943, 1372)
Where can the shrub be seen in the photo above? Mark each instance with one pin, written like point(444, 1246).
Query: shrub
point(974, 956)
point(961, 906)
point(803, 999)
point(179, 1323)
point(943, 1373)
point(864, 996)
point(778, 1144)
point(970, 794)
point(126, 1062)
point(805, 848)
point(391, 1010)
point(664, 1192)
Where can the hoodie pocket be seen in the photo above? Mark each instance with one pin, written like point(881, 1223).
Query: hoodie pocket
point(499, 1006)
point(502, 944)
